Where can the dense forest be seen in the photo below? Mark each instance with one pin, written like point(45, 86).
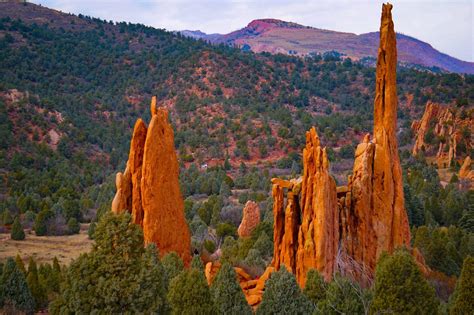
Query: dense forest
point(70, 92)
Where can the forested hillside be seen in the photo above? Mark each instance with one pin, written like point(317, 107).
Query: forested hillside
point(71, 87)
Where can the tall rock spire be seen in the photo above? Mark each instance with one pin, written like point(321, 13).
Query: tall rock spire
point(345, 229)
point(163, 206)
point(388, 201)
point(149, 186)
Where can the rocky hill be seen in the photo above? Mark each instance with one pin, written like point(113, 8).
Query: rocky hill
point(276, 36)
point(83, 82)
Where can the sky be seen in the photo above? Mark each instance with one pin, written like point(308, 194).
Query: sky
point(447, 25)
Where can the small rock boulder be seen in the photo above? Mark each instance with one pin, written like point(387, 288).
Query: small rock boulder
point(250, 219)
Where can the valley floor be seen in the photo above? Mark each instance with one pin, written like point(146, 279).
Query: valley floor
point(45, 248)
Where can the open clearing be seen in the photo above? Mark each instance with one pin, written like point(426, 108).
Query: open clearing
point(45, 248)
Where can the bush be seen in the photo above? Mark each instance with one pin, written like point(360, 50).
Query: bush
point(7, 218)
point(73, 226)
point(189, 294)
point(91, 230)
point(119, 275)
point(14, 292)
point(172, 265)
point(17, 232)
point(227, 293)
point(400, 287)
point(210, 246)
point(344, 297)
point(463, 297)
point(315, 287)
point(41, 222)
point(283, 295)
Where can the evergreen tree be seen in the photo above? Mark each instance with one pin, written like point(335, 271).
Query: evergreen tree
point(117, 276)
point(400, 287)
point(91, 230)
point(173, 265)
point(17, 232)
point(37, 291)
point(283, 295)
point(20, 264)
point(197, 264)
point(73, 226)
point(227, 293)
point(7, 218)
point(463, 296)
point(189, 294)
point(344, 297)
point(14, 293)
point(315, 287)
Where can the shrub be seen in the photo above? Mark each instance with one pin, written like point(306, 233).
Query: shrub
point(400, 287)
point(73, 226)
point(283, 296)
point(17, 232)
point(227, 293)
point(189, 294)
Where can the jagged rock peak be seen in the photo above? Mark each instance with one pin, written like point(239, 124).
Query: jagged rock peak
point(149, 186)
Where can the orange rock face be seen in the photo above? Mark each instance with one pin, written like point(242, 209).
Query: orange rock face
point(447, 125)
point(250, 219)
point(465, 171)
point(345, 229)
point(135, 161)
point(163, 223)
point(319, 232)
point(376, 216)
point(149, 187)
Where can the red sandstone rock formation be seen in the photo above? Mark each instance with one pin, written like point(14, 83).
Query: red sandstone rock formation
point(250, 219)
point(446, 124)
point(149, 186)
point(377, 219)
point(465, 171)
point(318, 235)
point(346, 229)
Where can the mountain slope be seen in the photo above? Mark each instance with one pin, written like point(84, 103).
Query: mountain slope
point(275, 36)
point(81, 83)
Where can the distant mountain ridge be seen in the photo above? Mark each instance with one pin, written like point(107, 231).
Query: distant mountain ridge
point(276, 36)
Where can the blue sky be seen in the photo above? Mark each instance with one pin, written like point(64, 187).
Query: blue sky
point(447, 25)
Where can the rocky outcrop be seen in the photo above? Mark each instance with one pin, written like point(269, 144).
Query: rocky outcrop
point(319, 232)
point(465, 171)
point(252, 288)
point(374, 207)
point(250, 219)
point(346, 229)
point(149, 187)
point(441, 132)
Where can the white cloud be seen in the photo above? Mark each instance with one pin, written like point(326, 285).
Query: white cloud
point(446, 25)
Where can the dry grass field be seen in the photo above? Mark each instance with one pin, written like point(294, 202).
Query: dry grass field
point(45, 248)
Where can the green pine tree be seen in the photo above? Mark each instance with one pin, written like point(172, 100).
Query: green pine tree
point(17, 232)
point(315, 287)
point(20, 264)
point(14, 293)
point(463, 296)
point(344, 296)
point(189, 294)
point(117, 276)
point(283, 295)
point(7, 218)
point(227, 293)
point(73, 226)
point(196, 263)
point(173, 265)
point(38, 292)
point(400, 287)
